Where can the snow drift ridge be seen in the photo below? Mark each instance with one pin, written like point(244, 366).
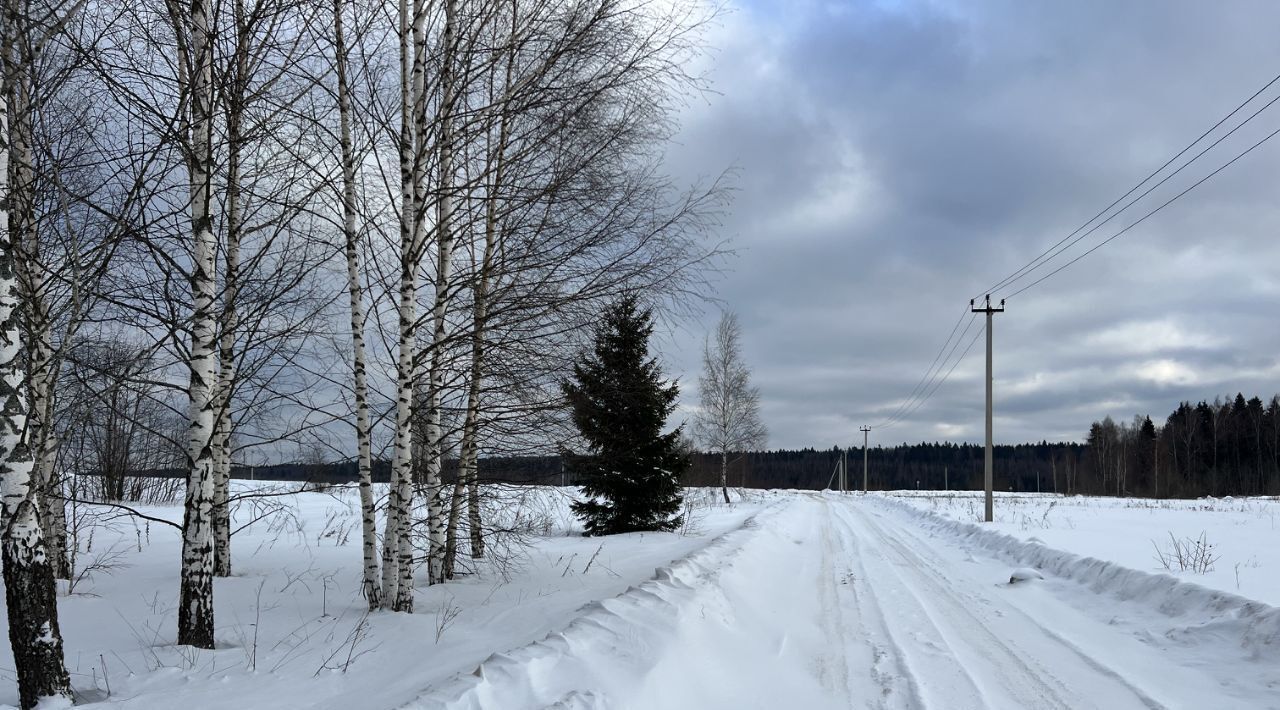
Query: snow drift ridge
point(610, 641)
point(1206, 611)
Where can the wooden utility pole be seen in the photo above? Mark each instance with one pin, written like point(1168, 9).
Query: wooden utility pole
point(864, 429)
point(987, 467)
point(844, 470)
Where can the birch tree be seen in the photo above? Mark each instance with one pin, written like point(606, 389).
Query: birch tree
point(254, 95)
point(565, 213)
point(30, 592)
point(195, 76)
point(444, 245)
point(397, 547)
point(33, 284)
point(728, 419)
point(466, 486)
point(51, 130)
point(355, 292)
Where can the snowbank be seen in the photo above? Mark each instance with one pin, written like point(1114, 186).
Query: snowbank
point(609, 646)
point(1202, 611)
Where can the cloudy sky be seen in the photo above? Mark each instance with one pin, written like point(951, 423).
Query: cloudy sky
point(897, 158)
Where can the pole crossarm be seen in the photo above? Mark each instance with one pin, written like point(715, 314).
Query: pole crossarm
point(988, 309)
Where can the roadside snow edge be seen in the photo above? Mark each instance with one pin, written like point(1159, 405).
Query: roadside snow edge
point(1256, 624)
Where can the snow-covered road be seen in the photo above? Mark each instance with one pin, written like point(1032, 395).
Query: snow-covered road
point(828, 601)
point(951, 634)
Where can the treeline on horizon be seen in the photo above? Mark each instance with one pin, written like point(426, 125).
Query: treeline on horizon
point(1019, 467)
point(1225, 447)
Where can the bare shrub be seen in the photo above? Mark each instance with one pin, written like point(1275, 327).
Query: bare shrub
point(1187, 554)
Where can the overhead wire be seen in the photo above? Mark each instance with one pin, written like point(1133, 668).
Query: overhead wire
point(933, 378)
point(932, 385)
point(958, 360)
point(1098, 226)
point(1144, 217)
point(1053, 251)
point(920, 386)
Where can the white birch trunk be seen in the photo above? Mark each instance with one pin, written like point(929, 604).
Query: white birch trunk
point(436, 522)
point(227, 339)
point(53, 502)
point(30, 592)
point(397, 550)
point(469, 461)
point(41, 372)
point(368, 528)
point(475, 519)
point(724, 475)
point(32, 285)
point(195, 604)
point(226, 383)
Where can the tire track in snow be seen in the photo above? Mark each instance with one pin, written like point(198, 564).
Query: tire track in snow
point(893, 685)
point(921, 542)
point(835, 632)
point(1016, 684)
point(939, 677)
point(1010, 663)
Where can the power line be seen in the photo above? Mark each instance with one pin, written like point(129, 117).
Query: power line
point(1144, 217)
point(1046, 255)
point(931, 376)
point(1148, 191)
point(911, 396)
point(948, 375)
point(930, 381)
point(933, 386)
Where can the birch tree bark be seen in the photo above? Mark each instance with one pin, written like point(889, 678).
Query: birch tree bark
point(397, 548)
point(436, 522)
point(30, 591)
point(467, 484)
point(355, 292)
point(235, 96)
point(195, 604)
point(33, 284)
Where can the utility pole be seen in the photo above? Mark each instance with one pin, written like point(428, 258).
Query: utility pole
point(864, 429)
point(946, 485)
point(986, 472)
point(844, 470)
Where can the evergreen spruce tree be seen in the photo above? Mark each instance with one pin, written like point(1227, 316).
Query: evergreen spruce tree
point(620, 404)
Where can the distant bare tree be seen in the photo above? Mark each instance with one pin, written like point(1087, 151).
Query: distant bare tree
point(111, 407)
point(729, 417)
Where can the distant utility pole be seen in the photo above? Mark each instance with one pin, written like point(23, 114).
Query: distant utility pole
point(986, 474)
point(864, 429)
point(844, 470)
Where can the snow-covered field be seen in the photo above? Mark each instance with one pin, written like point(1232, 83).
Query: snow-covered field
point(788, 600)
point(1241, 535)
point(292, 630)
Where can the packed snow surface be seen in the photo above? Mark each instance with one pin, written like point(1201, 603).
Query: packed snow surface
point(785, 600)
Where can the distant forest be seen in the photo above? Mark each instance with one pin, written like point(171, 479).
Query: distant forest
point(927, 465)
point(1219, 448)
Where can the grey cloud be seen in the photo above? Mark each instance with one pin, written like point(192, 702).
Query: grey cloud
point(894, 162)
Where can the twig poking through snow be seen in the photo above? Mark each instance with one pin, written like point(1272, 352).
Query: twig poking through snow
point(593, 558)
